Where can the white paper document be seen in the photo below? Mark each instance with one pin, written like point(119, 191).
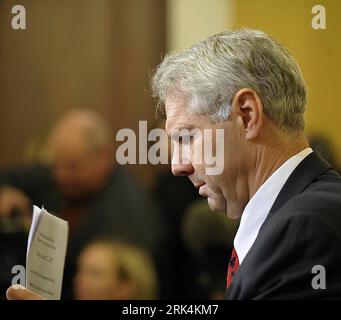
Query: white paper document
point(46, 249)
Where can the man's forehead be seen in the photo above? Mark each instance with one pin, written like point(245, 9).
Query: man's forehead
point(175, 105)
point(176, 115)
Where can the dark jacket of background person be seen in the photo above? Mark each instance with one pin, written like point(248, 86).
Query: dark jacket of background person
point(174, 196)
point(302, 230)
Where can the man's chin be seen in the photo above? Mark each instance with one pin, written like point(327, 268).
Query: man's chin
point(214, 206)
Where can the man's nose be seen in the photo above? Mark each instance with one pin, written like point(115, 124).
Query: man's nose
point(184, 169)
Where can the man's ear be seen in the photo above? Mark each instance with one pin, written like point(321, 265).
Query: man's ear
point(249, 109)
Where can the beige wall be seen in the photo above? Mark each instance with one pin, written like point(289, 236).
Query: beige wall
point(318, 53)
point(61, 60)
point(191, 20)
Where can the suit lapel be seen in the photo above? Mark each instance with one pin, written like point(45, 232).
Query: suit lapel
point(303, 175)
point(310, 167)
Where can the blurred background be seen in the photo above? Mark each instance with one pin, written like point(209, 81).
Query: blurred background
point(79, 73)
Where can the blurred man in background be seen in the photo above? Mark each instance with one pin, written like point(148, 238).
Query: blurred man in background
point(83, 186)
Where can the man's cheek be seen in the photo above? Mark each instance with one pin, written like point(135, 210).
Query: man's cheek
point(181, 154)
point(214, 184)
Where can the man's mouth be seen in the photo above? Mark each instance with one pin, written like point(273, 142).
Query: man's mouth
point(198, 185)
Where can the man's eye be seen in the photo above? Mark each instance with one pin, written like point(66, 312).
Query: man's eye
point(185, 139)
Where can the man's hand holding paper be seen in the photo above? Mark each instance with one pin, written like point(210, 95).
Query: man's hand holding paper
point(46, 249)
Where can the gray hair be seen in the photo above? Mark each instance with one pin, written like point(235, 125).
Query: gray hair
point(212, 71)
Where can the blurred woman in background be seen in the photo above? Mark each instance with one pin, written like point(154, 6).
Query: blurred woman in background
point(111, 270)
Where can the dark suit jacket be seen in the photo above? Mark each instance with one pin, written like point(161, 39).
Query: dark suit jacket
point(303, 229)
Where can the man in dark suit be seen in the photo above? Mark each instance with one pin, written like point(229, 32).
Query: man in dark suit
point(297, 253)
point(288, 245)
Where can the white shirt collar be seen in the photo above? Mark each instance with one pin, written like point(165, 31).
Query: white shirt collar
point(260, 204)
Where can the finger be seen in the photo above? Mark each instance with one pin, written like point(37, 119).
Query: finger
point(17, 292)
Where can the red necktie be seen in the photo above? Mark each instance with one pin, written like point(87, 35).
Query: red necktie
point(232, 268)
